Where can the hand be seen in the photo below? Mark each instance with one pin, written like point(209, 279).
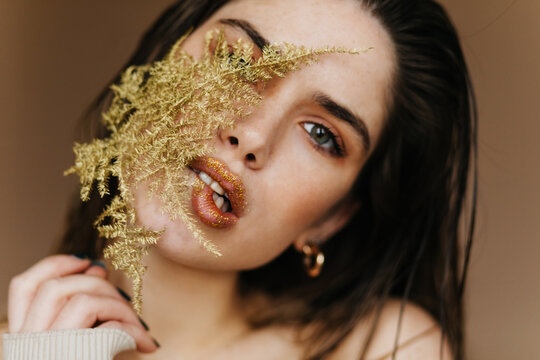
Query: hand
point(65, 292)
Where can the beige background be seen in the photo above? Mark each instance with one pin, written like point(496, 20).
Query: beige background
point(56, 55)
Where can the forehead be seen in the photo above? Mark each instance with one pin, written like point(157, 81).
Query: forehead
point(362, 82)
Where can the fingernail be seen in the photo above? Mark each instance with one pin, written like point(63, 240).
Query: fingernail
point(81, 256)
point(128, 298)
point(98, 263)
point(123, 293)
point(156, 342)
point(144, 324)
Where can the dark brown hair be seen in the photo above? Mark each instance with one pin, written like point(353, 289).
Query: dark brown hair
point(403, 240)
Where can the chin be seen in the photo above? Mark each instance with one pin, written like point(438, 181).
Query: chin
point(179, 246)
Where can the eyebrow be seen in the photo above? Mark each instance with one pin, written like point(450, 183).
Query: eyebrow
point(259, 40)
point(343, 113)
point(332, 107)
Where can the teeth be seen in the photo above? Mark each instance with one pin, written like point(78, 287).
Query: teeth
point(219, 202)
point(215, 186)
point(206, 178)
point(211, 182)
point(225, 206)
point(218, 190)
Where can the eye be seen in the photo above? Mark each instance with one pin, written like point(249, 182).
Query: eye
point(235, 53)
point(236, 61)
point(324, 139)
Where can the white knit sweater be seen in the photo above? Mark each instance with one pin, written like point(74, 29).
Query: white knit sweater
point(79, 344)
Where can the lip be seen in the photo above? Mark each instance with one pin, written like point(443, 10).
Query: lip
point(201, 197)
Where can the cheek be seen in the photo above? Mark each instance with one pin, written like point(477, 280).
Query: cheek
point(314, 185)
point(310, 198)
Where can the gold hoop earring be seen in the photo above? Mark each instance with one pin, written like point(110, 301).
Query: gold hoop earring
point(313, 259)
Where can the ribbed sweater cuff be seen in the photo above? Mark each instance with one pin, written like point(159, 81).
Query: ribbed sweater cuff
point(81, 344)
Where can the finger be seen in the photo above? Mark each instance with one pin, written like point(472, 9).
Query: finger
point(97, 268)
point(53, 295)
point(84, 311)
point(23, 287)
point(145, 343)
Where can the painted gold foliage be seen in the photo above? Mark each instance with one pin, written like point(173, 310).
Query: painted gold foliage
point(162, 117)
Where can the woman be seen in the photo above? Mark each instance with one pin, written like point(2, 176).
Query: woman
point(361, 158)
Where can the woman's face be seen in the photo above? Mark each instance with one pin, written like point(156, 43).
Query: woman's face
point(299, 152)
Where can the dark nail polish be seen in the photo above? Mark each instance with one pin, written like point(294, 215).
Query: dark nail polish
point(156, 342)
point(81, 256)
point(145, 326)
point(123, 293)
point(99, 263)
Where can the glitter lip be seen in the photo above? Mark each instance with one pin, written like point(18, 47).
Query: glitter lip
point(203, 203)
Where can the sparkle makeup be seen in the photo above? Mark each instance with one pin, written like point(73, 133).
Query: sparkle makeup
point(160, 121)
point(215, 182)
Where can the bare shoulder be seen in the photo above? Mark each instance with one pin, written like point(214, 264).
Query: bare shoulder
point(419, 338)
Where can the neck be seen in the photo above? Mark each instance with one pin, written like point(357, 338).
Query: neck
point(190, 308)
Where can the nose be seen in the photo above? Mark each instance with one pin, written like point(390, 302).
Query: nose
point(249, 141)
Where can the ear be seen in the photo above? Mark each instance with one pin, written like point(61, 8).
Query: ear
point(324, 229)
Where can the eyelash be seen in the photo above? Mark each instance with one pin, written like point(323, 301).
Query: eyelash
point(241, 62)
point(337, 148)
